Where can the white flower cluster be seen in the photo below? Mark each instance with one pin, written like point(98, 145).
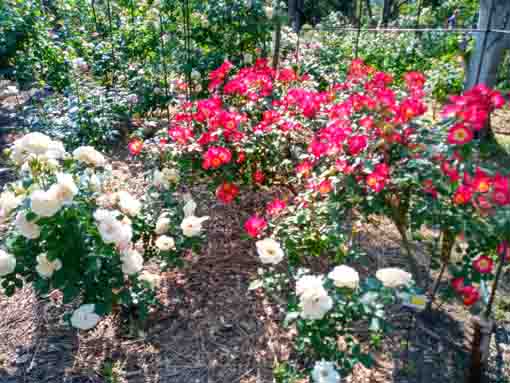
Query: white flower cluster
point(46, 203)
point(314, 301)
point(37, 146)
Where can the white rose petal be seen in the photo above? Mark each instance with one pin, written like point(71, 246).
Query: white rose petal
point(394, 277)
point(85, 318)
point(344, 276)
point(128, 204)
point(65, 189)
point(45, 268)
point(163, 224)
point(192, 226)
point(45, 203)
point(7, 263)
point(269, 251)
point(27, 229)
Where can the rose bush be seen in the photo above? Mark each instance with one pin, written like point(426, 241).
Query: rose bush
point(71, 232)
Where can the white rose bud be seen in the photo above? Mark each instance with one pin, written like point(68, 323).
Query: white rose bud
point(85, 318)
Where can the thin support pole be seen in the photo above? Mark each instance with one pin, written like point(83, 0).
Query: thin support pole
point(358, 32)
point(162, 58)
point(112, 40)
point(484, 42)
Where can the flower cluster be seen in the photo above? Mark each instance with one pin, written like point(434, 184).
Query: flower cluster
point(69, 232)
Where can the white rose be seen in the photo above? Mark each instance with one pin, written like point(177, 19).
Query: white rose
point(27, 229)
point(89, 155)
point(45, 268)
point(45, 203)
point(111, 229)
point(393, 277)
point(8, 202)
point(65, 188)
point(165, 243)
point(314, 300)
point(7, 263)
point(269, 251)
point(132, 262)
point(128, 204)
point(195, 75)
point(36, 143)
point(192, 226)
point(153, 280)
point(189, 208)
point(56, 150)
point(85, 318)
point(163, 224)
point(344, 276)
point(325, 372)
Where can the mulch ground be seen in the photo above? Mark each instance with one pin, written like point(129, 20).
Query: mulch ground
point(211, 328)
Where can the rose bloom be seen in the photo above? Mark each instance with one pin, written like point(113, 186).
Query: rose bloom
point(325, 186)
point(459, 134)
point(393, 277)
point(27, 229)
point(128, 204)
point(89, 155)
point(269, 251)
point(458, 284)
point(135, 146)
point(275, 207)
point(470, 295)
point(227, 192)
point(255, 225)
point(483, 264)
point(259, 176)
point(344, 276)
point(132, 262)
point(85, 318)
point(45, 268)
point(314, 301)
point(165, 243)
point(192, 226)
point(163, 224)
point(45, 203)
point(7, 263)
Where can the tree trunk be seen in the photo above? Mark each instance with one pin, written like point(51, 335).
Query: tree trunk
point(386, 11)
point(490, 47)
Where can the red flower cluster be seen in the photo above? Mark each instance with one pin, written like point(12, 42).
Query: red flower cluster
point(215, 157)
point(470, 294)
point(227, 192)
point(472, 110)
point(218, 75)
